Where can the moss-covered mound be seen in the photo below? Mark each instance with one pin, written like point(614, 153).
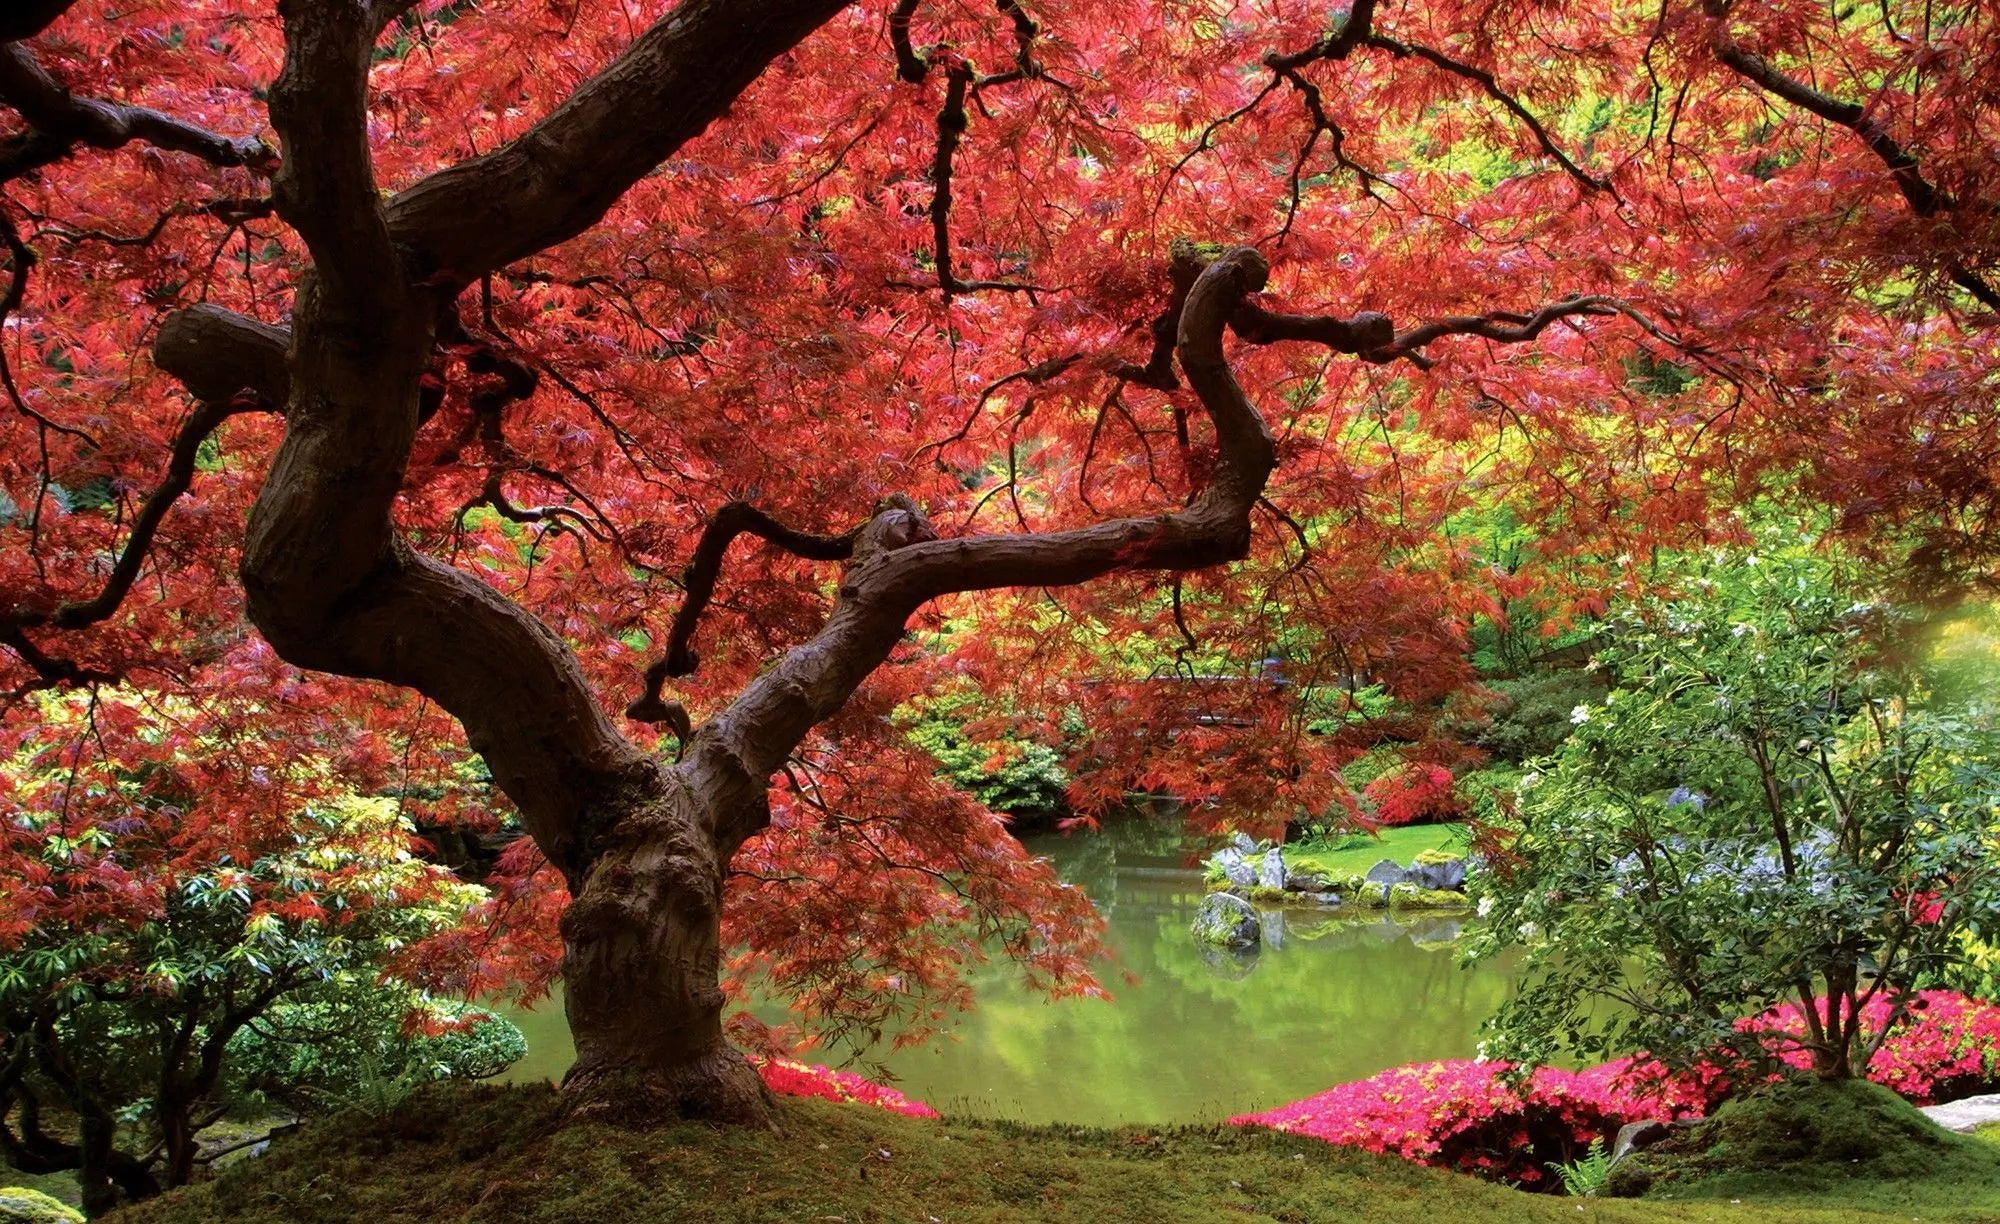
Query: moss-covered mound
point(492, 1154)
point(1806, 1140)
point(20, 1205)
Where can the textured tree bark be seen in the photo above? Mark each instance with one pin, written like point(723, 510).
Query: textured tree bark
point(642, 963)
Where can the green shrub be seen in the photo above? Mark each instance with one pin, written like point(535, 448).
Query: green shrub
point(1008, 773)
point(1532, 718)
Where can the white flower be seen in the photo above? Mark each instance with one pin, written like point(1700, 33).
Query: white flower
point(1580, 715)
point(1528, 781)
point(1529, 930)
point(1485, 906)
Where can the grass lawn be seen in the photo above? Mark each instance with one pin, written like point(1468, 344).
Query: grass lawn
point(494, 1154)
point(1357, 852)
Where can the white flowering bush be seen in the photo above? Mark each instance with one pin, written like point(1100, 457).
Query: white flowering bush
point(1774, 805)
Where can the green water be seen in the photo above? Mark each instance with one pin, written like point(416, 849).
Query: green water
point(1196, 1035)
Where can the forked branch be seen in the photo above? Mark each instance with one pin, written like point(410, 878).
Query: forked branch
point(58, 121)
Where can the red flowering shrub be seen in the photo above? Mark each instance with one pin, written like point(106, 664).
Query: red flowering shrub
point(1944, 1047)
point(1475, 1118)
point(788, 1078)
point(1470, 1117)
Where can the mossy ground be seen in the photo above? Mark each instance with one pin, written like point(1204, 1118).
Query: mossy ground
point(494, 1154)
point(1854, 1143)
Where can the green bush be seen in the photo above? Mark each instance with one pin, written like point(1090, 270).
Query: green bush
point(1009, 773)
point(1532, 718)
point(311, 1055)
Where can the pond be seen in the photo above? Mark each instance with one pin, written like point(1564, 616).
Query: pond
point(1192, 1035)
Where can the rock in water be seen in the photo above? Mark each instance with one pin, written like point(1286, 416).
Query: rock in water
point(1387, 873)
point(1272, 873)
point(1271, 928)
point(1235, 868)
point(1226, 920)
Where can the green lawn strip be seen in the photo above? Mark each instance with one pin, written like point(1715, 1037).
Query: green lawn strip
point(494, 1154)
point(1357, 852)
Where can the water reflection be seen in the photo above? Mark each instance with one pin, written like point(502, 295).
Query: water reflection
point(1200, 1034)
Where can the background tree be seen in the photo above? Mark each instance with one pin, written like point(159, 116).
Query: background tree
point(191, 934)
point(1767, 824)
point(496, 325)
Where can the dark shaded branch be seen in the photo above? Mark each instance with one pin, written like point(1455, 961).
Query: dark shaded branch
point(26, 18)
point(1335, 46)
point(558, 178)
point(58, 121)
point(326, 187)
point(1486, 81)
point(1362, 333)
point(1923, 196)
point(206, 417)
point(734, 519)
point(951, 124)
point(909, 65)
point(1500, 326)
point(218, 354)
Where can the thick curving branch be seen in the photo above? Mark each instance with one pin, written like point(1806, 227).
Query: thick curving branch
point(558, 178)
point(217, 354)
point(899, 564)
point(58, 121)
point(26, 18)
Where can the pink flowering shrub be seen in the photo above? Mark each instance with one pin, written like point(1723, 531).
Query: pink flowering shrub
point(1476, 1118)
point(1470, 1117)
point(788, 1078)
point(1946, 1046)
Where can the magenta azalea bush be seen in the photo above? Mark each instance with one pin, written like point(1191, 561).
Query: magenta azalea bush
point(1944, 1047)
point(1475, 1117)
point(1485, 1119)
point(788, 1078)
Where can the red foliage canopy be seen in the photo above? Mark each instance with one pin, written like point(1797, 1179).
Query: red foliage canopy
point(1607, 271)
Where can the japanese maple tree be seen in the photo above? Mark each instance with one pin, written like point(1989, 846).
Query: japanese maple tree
point(451, 345)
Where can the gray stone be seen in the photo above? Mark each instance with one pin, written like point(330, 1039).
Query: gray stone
point(1242, 843)
point(1235, 868)
point(1307, 882)
point(1966, 1115)
point(1271, 874)
point(1325, 900)
point(1226, 920)
point(1386, 873)
point(1438, 877)
point(1636, 1135)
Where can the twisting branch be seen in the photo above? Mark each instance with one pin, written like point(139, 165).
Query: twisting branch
point(734, 519)
point(180, 475)
point(1486, 81)
point(951, 124)
point(1500, 326)
point(58, 121)
point(1924, 197)
point(899, 564)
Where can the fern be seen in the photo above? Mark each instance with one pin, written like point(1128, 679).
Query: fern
point(1585, 1176)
